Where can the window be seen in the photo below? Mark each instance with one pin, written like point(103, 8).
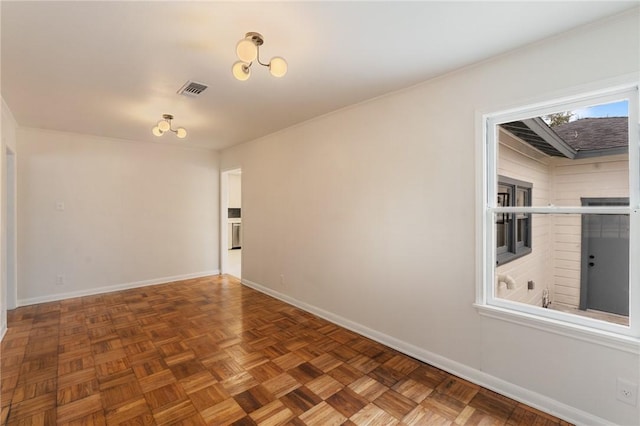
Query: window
point(513, 230)
point(582, 156)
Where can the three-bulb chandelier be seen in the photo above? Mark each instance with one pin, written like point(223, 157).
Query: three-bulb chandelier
point(248, 50)
point(164, 125)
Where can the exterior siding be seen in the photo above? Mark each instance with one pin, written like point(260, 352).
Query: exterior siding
point(535, 266)
point(598, 177)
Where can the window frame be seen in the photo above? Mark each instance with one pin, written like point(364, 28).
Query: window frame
point(514, 249)
point(619, 336)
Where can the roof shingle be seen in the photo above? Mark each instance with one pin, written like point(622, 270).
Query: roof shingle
point(589, 134)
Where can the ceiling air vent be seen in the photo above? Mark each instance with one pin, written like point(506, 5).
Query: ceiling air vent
point(191, 88)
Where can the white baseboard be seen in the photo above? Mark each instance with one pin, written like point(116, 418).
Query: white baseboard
point(111, 288)
point(3, 331)
point(518, 393)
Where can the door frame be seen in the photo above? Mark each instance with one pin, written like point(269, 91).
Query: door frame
point(224, 222)
point(584, 242)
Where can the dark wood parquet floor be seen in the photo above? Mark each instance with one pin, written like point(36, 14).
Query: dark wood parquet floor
point(211, 351)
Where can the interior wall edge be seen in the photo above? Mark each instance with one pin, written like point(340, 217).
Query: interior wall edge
point(510, 390)
point(7, 112)
point(113, 288)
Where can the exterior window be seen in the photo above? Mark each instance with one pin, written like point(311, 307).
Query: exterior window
point(582, 155)
point(513, 230)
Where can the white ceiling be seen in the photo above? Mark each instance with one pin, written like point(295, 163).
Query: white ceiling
point(113, 68)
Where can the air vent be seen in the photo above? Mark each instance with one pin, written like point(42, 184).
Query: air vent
point(191, 88)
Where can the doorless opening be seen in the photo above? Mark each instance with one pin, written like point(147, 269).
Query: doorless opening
point(231, 222)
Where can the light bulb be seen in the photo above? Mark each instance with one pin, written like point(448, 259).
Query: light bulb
point(246, 50)
point(156, 131)
point(278, 66)
point(164, 125)
point(241, 71)
point(181, 133)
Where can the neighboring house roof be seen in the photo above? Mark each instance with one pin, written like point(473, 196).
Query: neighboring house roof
point(587, 137)
point(595, 133)
point(539, 135)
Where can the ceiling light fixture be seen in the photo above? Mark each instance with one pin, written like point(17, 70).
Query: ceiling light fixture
point(164, 125)
point(248, 50)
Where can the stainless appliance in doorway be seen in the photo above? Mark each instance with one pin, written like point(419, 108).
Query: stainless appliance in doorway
point(236, 236)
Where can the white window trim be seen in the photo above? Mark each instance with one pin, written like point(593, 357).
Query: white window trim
point(605, 333)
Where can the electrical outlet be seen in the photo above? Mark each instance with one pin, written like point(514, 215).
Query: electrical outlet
point(282, 280)
point(627, 392)
point(60, 279)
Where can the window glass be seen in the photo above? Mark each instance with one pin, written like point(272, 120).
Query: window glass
point(521, 198)
point(522, 229)
point(513, 238)
point(562, 185)
point(579, 265)
point(501, 235)
point(569, 155)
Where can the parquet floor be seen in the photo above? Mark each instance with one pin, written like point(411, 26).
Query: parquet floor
point(211, 351)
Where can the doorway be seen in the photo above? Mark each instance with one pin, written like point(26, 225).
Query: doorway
point(604, 276)
point(231, 223)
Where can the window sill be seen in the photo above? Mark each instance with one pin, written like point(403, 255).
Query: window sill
point(504, 258)
point(585, 333)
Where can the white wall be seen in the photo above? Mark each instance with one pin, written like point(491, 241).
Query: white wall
point(235, 190)
point(8, 132)
point(134, 213)
point(368, 215)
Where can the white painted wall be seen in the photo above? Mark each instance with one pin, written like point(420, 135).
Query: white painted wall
point(134, 213)
point(235, 190)
point(8, 132)
point(368, 215)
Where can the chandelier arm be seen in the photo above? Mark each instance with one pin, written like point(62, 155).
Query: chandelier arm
point(171, 125)
point(258, 57)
